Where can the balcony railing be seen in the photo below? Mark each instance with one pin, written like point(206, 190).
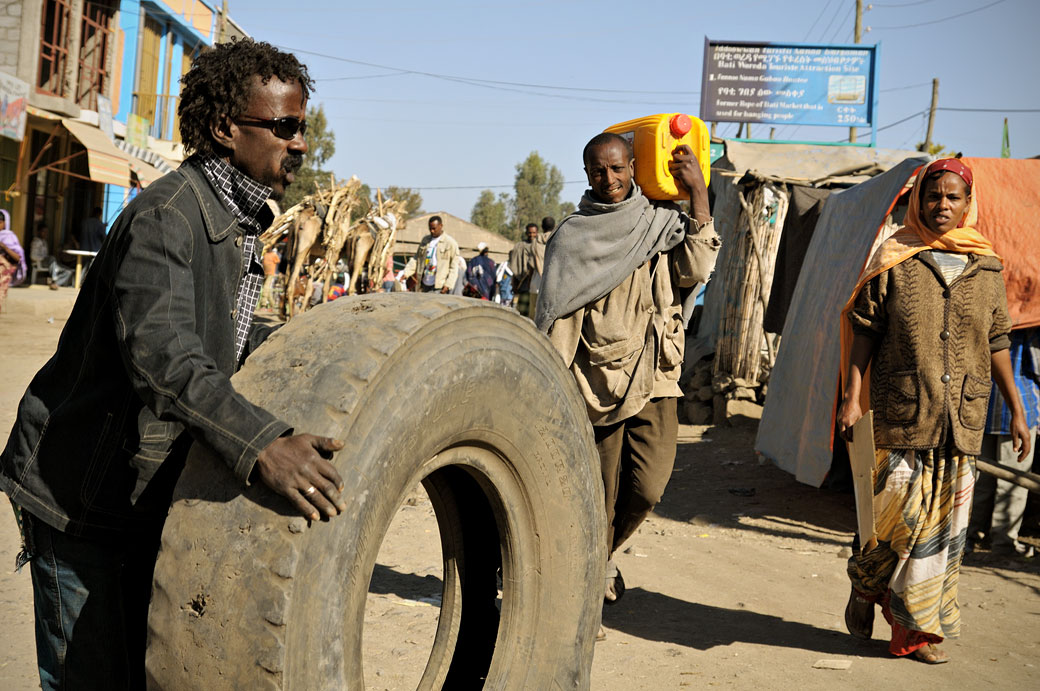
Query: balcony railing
point(160, 110)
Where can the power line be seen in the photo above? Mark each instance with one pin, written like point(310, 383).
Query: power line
point(892, 124)
point(818, 18)
point(837, 11)
point(908, 86)
point(475, 80)
point(843, 22)
point(918, 135)
point(992, 110)
point(476, 187)
point(905, 4)
point(363, 76)
point(936, 21)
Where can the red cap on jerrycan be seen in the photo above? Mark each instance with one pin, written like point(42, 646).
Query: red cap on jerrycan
point(679, 125)
point(653, 139)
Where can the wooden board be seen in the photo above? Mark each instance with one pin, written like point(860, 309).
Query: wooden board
point(862, 459)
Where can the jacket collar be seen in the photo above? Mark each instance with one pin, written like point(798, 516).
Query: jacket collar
point(217, 218)
point(976, 262)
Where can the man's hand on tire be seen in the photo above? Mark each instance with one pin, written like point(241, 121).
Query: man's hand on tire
point(293, 466)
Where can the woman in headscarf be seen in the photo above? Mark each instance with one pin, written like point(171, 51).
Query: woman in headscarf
point(12, 258)
point(929, 316)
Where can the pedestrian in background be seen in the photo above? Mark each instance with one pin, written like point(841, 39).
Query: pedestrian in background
point(999, 505)
point(12, 258)
point(480, 273)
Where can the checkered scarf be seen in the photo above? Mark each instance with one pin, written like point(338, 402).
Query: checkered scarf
point(246, 199)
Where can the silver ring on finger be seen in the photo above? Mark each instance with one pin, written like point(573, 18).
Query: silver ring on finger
point(310, 490)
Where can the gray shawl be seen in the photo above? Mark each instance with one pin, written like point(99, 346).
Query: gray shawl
point(599, 246)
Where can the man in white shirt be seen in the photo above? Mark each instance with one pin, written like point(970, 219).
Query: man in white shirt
point(434, 264)
point(40, 254)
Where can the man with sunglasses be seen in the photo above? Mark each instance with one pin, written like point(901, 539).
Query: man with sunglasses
point(143, 367)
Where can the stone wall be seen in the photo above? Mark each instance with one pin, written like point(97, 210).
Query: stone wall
point(10, 34)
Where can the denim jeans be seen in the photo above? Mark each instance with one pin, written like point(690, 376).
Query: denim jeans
point(91, 601)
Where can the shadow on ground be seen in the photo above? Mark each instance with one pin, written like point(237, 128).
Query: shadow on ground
point(648, 615)
point(720, 478)
point(407, 586)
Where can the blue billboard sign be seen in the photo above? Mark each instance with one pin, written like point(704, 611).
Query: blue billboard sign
point(789, 83)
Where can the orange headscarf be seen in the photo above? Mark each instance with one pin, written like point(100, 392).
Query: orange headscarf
point(910, 239)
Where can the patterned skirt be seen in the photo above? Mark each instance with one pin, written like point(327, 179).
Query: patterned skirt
point(922, 502)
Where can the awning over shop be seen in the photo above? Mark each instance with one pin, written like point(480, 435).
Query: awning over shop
point(106, 163)
point(146, 173)
point(146, 155)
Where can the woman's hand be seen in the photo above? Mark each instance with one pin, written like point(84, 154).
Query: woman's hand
point(848, 414)
point(1021, 439)
point(850, 410)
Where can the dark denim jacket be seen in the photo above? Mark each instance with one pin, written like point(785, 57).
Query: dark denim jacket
point(142, 369)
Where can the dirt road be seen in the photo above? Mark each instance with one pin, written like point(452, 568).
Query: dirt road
point(738, 581)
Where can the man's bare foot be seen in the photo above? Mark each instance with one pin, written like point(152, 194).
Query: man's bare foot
point(931, 654)
point(859, 616)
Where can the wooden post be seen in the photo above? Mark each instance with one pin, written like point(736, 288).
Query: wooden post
point(1031, 481)
point(772, 133)
point(740, 130)
point(747, 130)
point(931, 115)
point(714, 126)
point(856, 34)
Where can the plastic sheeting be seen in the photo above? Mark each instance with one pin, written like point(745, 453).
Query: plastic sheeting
point(795, 431)
point(1009, 215)
point(810, 163)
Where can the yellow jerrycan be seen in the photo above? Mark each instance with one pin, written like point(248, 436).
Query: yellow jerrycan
point(653, 138)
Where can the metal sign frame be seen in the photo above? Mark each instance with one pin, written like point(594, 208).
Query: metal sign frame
point(762, 88)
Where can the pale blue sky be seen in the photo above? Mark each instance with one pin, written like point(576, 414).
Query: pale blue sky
point(430, 122)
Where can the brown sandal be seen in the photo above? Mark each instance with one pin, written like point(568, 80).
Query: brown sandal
point(859, 616)
point(931, 654)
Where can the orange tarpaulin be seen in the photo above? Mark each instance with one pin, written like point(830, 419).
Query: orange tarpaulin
point(1009, 215)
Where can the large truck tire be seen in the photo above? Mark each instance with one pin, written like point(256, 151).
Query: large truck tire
point(465, 397)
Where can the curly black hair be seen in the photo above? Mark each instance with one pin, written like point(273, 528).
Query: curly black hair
point(218, 85)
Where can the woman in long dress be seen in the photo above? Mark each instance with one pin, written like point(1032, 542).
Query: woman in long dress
point(12, 258)
point(929, 316)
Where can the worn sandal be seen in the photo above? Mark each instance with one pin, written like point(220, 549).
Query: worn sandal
point(931, 654)
point(859, 616)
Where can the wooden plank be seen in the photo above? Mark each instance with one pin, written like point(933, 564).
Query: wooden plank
point(1031, 481)
point(862, 458)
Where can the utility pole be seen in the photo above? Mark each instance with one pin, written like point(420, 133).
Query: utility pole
point(223, 24)
point(857, 34)
point(931, 115)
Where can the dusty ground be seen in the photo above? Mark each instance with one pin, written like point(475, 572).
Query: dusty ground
point(738, 581)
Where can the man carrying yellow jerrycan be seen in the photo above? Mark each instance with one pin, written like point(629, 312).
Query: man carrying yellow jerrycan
point(617, 274)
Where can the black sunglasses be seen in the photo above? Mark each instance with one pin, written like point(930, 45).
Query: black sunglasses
point(284, 128)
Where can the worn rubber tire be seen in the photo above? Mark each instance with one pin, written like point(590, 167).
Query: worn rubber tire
point(466, 397)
